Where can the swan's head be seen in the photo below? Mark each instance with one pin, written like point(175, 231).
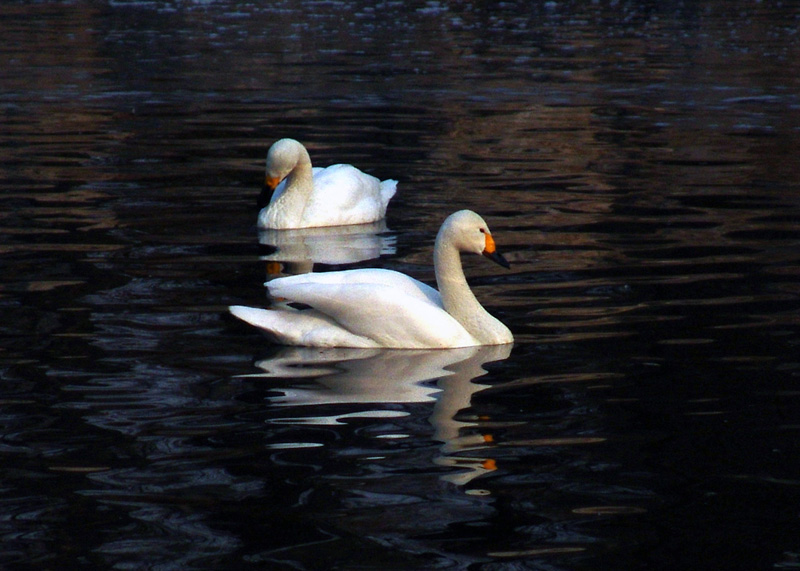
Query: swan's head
point(282, 157)
point(468, 232)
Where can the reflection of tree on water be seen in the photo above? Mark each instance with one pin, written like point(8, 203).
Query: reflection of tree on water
point(296, 251)
point(374, 377)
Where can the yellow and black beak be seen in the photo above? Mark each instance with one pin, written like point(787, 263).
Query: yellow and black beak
point(270, 184)
point(490, 251)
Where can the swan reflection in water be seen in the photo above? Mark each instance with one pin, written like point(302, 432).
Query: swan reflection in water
point(383, 376)
point(296, 251)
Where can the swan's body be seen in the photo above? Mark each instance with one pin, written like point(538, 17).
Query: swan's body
point(306, 197)
point(384, 308)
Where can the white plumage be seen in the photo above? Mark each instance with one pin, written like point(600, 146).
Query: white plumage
point(384, 308)
point(306, 197)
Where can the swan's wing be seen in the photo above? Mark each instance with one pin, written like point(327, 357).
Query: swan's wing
point(345, 195)
point(305, 328)
point(378, 276)
point(387, 315)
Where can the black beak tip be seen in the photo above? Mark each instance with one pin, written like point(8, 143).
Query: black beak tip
point(498, 258)
point(264, 197)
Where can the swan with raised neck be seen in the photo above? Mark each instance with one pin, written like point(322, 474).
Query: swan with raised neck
point(385, 308)
point(458, 234)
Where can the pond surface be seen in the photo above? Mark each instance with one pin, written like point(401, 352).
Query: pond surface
point(637, 163)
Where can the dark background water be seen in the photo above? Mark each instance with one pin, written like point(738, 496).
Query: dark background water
point(636, 161)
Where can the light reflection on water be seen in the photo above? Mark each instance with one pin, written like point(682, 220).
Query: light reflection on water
point(636, 164)
point(297, 251)
point(378, 380)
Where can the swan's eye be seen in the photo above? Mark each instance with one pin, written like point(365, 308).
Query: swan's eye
point(483, 230)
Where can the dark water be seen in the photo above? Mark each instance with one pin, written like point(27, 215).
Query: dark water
point(636, 161)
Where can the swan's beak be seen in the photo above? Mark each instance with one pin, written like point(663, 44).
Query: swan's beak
point(266, 192)
point(272, 182)
point(264, 197)
point(490, 251)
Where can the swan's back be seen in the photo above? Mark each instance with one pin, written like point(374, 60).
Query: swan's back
point(358, 308)
point(345, 195)
point(334, 281)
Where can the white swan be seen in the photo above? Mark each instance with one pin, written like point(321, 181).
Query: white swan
point(383, 308)
point(303, 197)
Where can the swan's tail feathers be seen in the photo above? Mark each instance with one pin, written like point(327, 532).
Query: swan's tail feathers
point(273, 322)
point(261, 318)
point(289, 326)
point(388, 189)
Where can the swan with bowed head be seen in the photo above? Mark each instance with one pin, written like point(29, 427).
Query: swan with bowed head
point(295, 195)
point(384, 308)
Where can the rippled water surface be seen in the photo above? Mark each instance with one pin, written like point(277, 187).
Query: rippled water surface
point(637, 163)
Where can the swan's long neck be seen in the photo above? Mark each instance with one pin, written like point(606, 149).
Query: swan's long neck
point(286, 210)
point(458, 299)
